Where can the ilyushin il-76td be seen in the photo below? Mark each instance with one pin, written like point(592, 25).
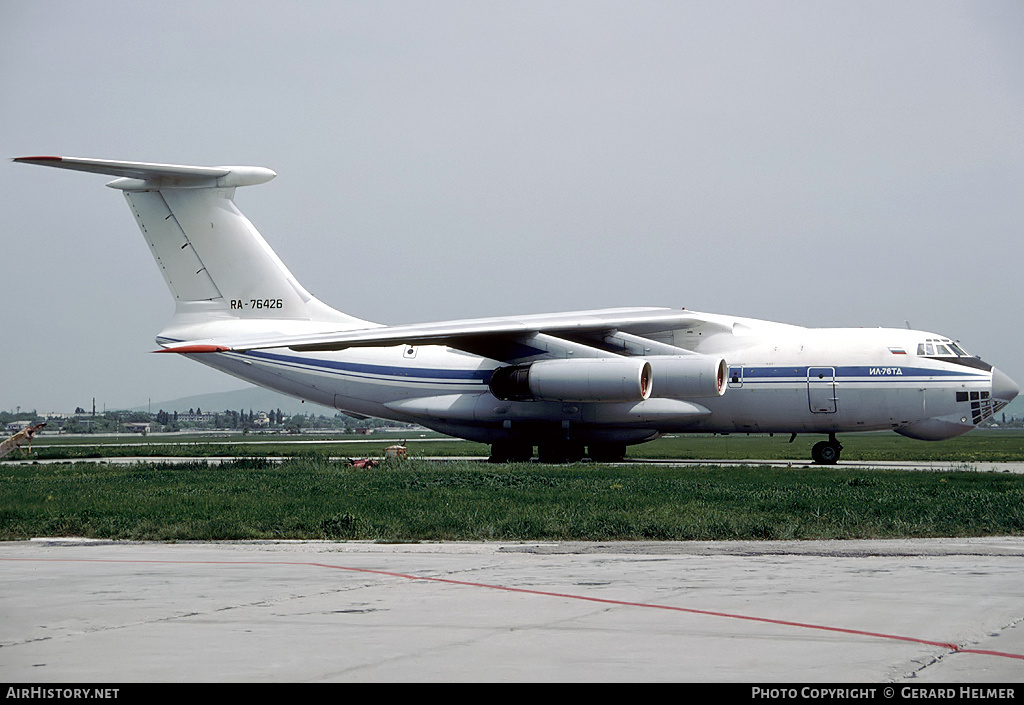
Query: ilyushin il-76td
point(571, 385)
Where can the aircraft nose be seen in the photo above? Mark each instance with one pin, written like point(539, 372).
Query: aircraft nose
point(1003, 387)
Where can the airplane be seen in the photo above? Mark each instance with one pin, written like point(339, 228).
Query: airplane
point(575, 384)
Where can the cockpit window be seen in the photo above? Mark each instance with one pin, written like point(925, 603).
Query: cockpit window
point(934, 347)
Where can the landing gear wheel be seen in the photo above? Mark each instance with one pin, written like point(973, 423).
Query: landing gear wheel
point(560, 452)
point(506, 451)
point(607, 452)
point(826, 452)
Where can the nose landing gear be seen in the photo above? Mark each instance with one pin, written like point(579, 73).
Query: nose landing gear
point(827, 452)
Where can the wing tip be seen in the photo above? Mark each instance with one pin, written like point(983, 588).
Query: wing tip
point(189, 349)
point(33, 160)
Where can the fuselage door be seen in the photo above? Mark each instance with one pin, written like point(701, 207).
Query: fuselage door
point(821, 389)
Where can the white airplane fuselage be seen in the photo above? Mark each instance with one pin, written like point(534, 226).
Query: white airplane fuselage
point(781, 379)
point(567, 383)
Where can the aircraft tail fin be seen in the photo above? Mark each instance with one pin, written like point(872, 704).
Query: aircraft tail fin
point(215, 263)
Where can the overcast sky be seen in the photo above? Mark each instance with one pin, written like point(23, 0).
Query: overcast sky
point(817, 163)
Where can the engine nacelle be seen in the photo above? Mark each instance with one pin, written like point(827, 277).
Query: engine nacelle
point(689, 376)
point(590, 379)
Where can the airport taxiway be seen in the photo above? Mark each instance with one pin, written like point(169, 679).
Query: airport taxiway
point(1013, 467)
point(918, 611)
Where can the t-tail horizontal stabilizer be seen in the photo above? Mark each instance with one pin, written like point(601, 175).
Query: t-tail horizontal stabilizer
point(146, 176)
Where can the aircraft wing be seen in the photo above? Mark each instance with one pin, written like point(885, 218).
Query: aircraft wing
point(468, 334)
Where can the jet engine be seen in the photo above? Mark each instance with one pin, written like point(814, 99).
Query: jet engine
point(589, 379)
point(689, 376)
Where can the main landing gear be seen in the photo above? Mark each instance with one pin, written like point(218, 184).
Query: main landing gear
point(556, 452)
point(827, 452)
point(506, 451)
point(562, 451)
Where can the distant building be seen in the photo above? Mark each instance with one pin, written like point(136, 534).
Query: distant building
point(137, 427)
point(192, 417)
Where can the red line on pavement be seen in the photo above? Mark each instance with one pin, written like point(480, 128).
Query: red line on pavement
point(602, 600)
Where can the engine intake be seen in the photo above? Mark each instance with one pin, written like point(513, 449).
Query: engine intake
point(589, 379)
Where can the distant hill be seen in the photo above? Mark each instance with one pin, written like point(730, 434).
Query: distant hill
point(255, 398)
point(1015, 408)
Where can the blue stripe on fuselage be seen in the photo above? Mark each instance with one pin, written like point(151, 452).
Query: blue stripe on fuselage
point(853, 373)
point(404, 373)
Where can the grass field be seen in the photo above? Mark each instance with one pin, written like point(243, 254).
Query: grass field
point(308, 496)
point(981, 445)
